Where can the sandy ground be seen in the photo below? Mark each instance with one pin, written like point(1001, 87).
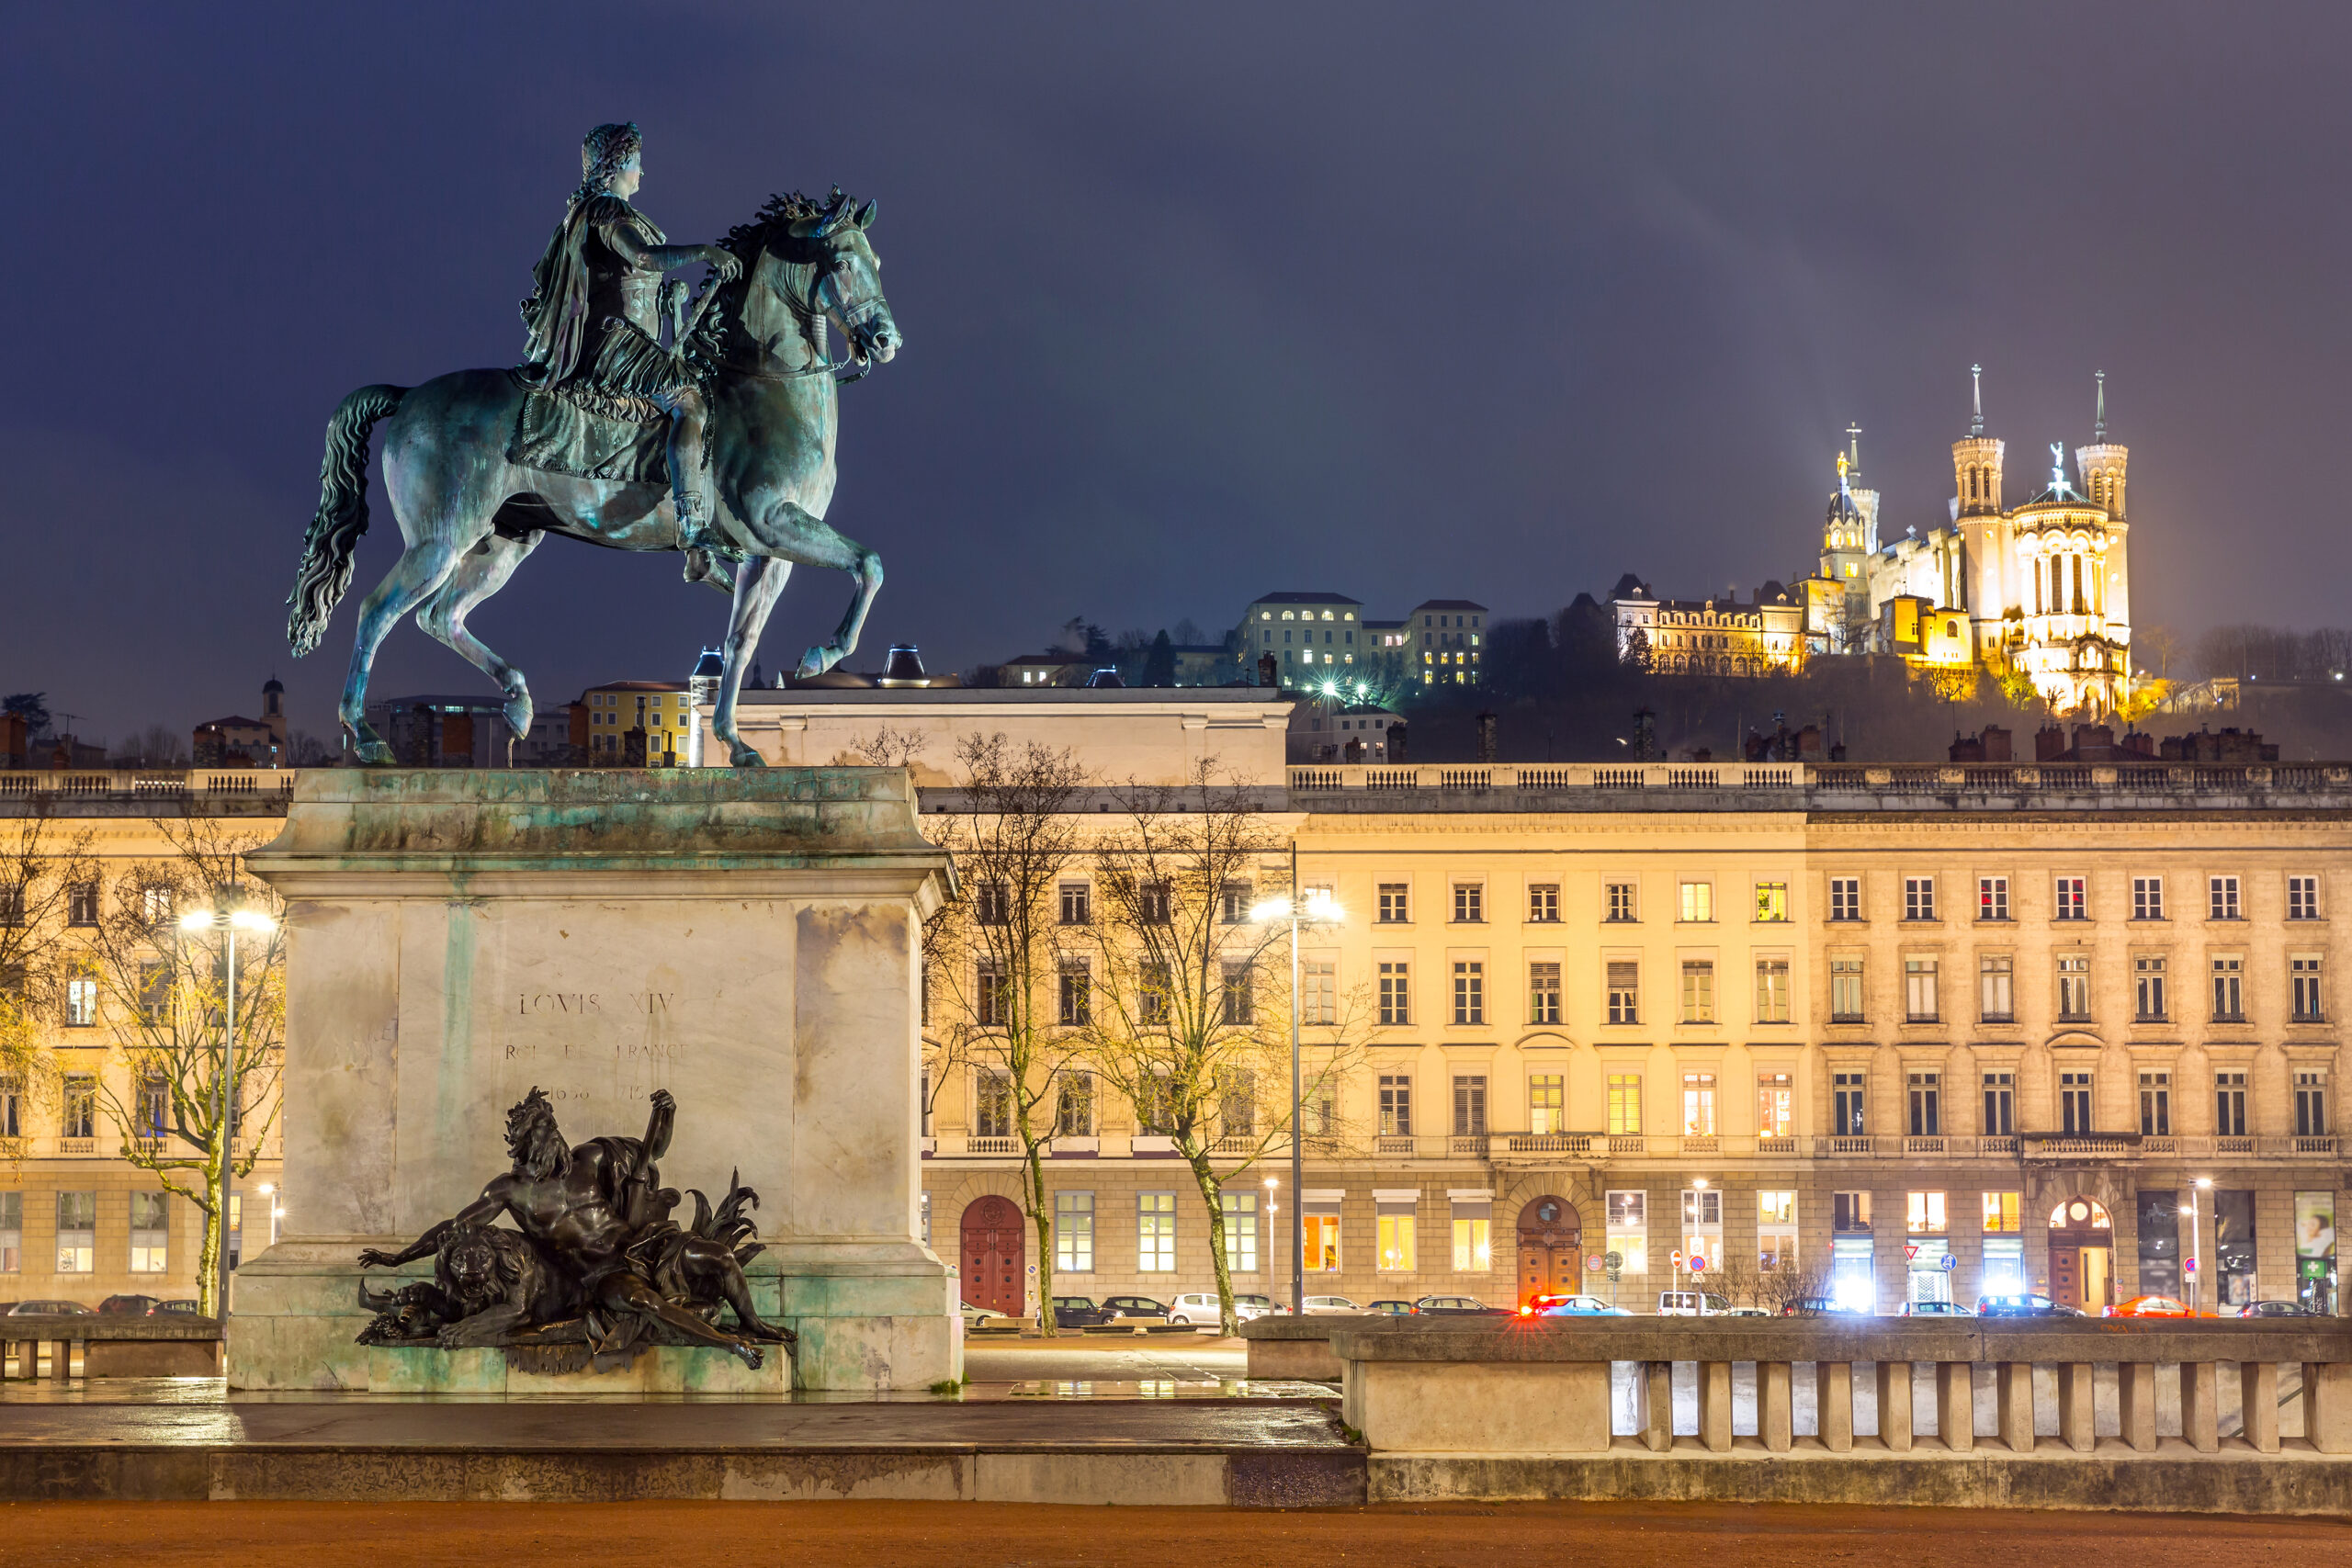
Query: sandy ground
point(967, 1535)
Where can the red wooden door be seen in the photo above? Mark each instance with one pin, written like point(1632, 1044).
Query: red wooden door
point(994, 1257)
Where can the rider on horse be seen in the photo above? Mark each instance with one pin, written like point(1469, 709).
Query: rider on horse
point(592, 323)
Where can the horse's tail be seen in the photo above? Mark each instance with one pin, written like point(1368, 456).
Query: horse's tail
point(324, 575)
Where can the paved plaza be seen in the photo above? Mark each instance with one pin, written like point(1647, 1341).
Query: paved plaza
point(986, 1534)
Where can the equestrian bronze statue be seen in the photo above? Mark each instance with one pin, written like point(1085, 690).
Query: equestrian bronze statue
point(593, 1258)
point(720, 444)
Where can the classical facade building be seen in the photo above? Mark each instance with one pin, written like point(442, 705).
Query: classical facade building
point(78, 1221)
point(1922, 1032)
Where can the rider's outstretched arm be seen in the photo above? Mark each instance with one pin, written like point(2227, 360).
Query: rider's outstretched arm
point(638, 254)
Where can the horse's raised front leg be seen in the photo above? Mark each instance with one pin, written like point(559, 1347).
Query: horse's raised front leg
point(420, 571)
point(481, 572)
point(757, 583)
point(798, 535)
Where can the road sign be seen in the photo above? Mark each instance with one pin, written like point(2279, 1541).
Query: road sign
point(1909, 1254)
point(2192, 1267)
point(1697, 1264)
point(1950, 1263)
point(1675, 1258)
point(1613, 1258)
point(1594, 1263)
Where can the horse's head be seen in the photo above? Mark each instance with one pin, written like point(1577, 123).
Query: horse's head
point(849, 278)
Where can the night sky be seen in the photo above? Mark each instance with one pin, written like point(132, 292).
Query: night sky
point(1493, 302)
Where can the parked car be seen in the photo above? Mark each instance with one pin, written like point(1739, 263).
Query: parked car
point(1391, 1308)
point(2277, 1309)
point(1137, 1309)
point(49, 1309)
point(2150, 1306)
point(184, 1306)
point(975, 1315)
point(1456, 1306)
point(1247, 1307)
point(2024, 1304)
point(1935, 1309)
point(1811, 1306)
point(1691, 1303)
point(1197, 1308)
point(1571, 1306)
point(1745, 1312)
point(1326, 1306)
point(127, 1306)
point(1079, 1312)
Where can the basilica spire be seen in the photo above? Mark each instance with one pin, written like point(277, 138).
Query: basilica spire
point(1976, 385)
point(2099, 427)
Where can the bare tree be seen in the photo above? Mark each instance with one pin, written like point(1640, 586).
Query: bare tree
point(995, 956)
point(196, 1096)
point(2160, 645)
point(47, 879)
point(1193, 1000)
point(886, 748)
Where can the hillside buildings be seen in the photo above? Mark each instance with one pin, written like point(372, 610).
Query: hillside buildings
point(1317, 640)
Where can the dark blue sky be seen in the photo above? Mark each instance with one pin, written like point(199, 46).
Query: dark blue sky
point(1491, 301)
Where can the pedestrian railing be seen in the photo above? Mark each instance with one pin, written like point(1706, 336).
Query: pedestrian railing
point(1548, 1385)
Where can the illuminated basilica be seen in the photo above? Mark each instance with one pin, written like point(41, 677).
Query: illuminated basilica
point(2042, 588)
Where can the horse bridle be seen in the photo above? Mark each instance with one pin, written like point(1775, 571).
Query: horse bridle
point(811, 315)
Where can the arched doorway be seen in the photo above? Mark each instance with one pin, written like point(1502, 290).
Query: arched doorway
point(995, 1255)
point(2082, 1255)
point(1551, 1248)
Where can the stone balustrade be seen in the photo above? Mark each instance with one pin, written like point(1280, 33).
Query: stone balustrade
point(168, 1346)
point(1519, 1386)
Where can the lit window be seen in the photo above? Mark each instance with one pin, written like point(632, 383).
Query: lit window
point(1074, 1232)
point(1156, 1233)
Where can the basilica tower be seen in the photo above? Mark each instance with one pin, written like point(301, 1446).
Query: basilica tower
point(1977, 513)
point(2101, 467)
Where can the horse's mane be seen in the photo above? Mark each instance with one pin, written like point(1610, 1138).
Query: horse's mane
point(785, 208)
point(745, 241)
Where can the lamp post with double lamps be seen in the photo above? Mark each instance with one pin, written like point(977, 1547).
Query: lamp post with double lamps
point(228, 913)
point(1320, 910)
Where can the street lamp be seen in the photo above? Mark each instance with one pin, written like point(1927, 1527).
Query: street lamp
point(2196, 1274)
point(1320, 908)
point(228, 913)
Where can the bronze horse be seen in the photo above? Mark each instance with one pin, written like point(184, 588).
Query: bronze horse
point(468, 515)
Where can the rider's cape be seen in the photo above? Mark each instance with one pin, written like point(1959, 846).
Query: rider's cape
point(555, 318)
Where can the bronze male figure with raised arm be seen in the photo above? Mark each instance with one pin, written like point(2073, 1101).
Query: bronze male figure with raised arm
point(599, 1214)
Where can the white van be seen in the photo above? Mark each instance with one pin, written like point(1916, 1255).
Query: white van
point(1691, 1303)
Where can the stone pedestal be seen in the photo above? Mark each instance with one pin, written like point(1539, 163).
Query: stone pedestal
point(748, 940)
